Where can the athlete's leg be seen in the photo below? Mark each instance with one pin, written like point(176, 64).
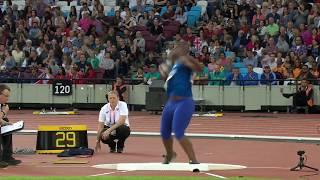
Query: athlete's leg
point(166, 130)
point(181, 119)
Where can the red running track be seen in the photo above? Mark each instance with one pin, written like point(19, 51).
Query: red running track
point(230, 123)
point(263, 159)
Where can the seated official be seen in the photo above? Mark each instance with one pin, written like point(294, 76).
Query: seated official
point(113, 124)
point(6, 158)
point(303, 97)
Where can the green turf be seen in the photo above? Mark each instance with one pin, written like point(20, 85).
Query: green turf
point(127, 178)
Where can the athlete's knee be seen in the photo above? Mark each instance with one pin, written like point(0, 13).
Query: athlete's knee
point(179, 133)
point(165, 133)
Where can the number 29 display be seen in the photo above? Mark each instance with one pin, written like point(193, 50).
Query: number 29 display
point(55, 139)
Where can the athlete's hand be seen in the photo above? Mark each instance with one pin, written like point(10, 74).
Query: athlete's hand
point(164, 70)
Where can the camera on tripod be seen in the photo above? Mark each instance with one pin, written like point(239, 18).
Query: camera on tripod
point(301, 163)
point(301, 153)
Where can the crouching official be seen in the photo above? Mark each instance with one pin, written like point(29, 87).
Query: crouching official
point(113, 124)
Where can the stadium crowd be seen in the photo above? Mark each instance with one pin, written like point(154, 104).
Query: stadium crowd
point(88, 40)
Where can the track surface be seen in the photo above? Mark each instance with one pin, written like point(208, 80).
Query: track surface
point(263, 159)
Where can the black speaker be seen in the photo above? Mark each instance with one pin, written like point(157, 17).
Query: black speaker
point(155, 100)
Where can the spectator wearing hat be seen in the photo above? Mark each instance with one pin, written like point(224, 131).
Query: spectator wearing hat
point(152, 75)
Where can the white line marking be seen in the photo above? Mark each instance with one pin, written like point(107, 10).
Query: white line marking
point(108, 173)
point(203, 167)
point(63, 166)
point(105, 173)
point(225, 136)
point(286, 168)
point(215, 175)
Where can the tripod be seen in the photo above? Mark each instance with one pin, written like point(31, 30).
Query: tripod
point(301, 164)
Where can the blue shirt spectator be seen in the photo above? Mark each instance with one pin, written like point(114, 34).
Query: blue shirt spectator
point(235, 78)
point(268, 77)
point(250, 76)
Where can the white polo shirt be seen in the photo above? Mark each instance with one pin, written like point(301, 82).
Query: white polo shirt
point(110, 117)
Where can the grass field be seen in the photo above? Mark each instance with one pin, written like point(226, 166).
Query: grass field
point(128, 178)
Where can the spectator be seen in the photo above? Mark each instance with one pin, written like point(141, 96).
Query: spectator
point(108, 65)
point(76, 75)
point(305, 73)
point(235, 78)
point(250, 59)
point(272, 28)
point(120, 87)
point(217, 76)
point(282, 45)
point(33, 60)
point(90, 74)
point(267, 77)
point(46, 76)
point(139, 43)
point(251, 78)
point(181, 16)
point(82, 63)
point(279, 70)
point(299, 48)
point(61, 73)
point(138, 76)
point(152, 75)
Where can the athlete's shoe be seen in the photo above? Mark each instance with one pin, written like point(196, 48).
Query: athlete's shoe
point(169, 157)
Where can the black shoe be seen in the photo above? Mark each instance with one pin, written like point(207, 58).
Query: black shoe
point(169, 158)
point(193, 162)
point(119, 150)
point(112, 150)
point(3, 164)
point(12, 161)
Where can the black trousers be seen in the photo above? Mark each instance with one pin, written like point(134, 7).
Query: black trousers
point(122, 133)
point(6, 145)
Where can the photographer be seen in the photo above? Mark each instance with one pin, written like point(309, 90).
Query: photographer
point(303, 97)
point(6, 158)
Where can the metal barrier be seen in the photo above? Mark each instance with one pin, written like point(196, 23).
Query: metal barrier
point(221, 97)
